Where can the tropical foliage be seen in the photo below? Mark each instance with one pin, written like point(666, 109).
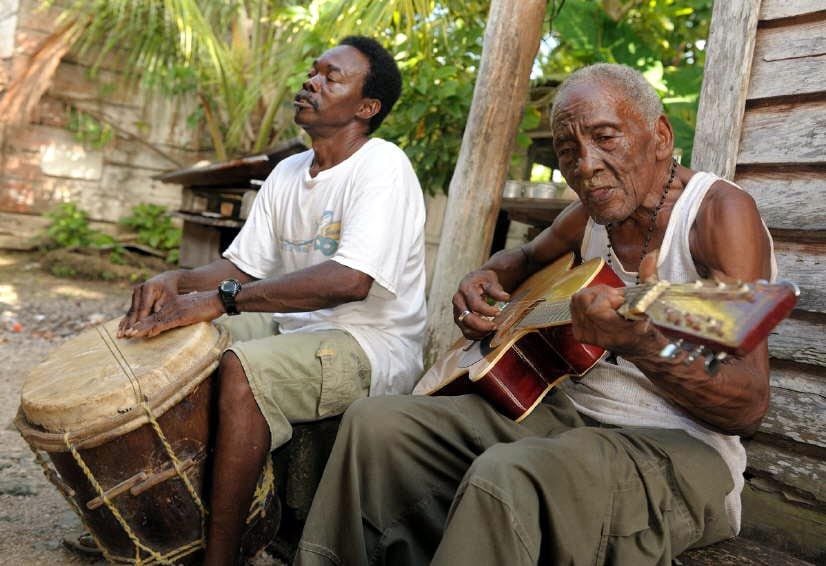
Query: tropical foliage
point(243, 59)
point(69, 228)
point(155, 229)
point(664, 39)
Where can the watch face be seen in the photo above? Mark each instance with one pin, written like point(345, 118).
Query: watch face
point(229, 286)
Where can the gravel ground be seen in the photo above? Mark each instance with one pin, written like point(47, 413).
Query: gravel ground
point(37, 313)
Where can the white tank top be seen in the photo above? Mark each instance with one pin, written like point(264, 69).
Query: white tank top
point(620, 394)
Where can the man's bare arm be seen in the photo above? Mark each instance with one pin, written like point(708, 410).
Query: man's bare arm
point(325, 285)
point(321, 286)
point(729, 243)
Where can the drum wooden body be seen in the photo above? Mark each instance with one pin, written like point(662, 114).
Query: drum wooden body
point(127, 425)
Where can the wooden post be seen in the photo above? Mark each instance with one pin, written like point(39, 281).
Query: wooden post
point(729, 49)
point(511, 41)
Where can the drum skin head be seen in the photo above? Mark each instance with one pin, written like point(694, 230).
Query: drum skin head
point(85, 383)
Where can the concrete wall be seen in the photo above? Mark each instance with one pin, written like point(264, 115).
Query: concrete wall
point(43, 163)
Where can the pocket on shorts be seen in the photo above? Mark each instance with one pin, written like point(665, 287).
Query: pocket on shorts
point(626, 524)
point(345, 374)
point(636, 529)
point(629, 512)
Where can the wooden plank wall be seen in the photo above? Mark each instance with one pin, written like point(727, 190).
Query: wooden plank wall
point(780, 159)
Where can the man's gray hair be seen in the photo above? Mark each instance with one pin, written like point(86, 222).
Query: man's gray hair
point(634, 86)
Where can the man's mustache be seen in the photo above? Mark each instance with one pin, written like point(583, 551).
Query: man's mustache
point(305, 96)
point(596, 183)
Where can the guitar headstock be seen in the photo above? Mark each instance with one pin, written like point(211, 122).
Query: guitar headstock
point(723, 317)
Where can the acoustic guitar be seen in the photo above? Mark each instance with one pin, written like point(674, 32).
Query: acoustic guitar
point(533, 347)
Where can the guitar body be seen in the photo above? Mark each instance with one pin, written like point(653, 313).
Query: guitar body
point(517, 381)
point(519, 364)
point(533, 347)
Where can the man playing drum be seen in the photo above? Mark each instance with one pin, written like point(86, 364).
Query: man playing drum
point(334, 247)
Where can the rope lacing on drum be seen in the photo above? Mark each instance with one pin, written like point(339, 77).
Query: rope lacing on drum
point(156, 556)
point(123, 363)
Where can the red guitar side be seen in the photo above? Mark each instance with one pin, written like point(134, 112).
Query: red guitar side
point(533, 348)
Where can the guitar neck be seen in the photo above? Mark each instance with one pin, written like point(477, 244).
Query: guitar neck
point(547, 313)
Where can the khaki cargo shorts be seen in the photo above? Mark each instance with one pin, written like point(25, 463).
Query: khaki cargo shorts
point(300, 377)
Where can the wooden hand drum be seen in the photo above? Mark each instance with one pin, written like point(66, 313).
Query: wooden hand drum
point(127, 425)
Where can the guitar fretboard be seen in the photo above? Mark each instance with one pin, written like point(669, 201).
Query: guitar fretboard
point(545, 313)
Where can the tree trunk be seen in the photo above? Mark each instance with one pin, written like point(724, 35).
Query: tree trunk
point(512, 38)
point(24, 92)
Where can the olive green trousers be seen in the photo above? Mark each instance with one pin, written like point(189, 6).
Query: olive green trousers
point(449, 481)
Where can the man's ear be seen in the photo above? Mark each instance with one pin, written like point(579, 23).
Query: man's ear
point(664, 138)
point(369, 108)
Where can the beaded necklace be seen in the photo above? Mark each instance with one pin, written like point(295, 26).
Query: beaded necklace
point(652, 226)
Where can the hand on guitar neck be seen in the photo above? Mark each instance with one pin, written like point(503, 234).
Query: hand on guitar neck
point(595, 320)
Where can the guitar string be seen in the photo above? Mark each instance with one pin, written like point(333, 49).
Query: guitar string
point(544, 311)
point(549, 312)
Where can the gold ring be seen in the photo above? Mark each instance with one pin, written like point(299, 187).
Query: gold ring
point(463, 316)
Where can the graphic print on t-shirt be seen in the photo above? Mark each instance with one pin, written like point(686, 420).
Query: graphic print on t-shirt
point(326, 237)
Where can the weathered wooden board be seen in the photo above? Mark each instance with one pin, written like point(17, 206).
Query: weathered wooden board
point(798, 377)
point(200, 245)
point(805, 475)
point(738, 551)
point(800, 341)
point(800, 417)
point(729, 52)
point(20, 231)
point(775, 9)
point(784, 133)
point(793, 198)
point(805, 264)
point(773, 519)
point(789, 60)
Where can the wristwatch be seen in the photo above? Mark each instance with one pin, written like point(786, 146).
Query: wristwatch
point(227, 291)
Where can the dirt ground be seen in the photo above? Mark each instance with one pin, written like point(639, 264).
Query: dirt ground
point(37, 313)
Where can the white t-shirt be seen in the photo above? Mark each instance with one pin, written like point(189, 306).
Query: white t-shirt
point(367, 213)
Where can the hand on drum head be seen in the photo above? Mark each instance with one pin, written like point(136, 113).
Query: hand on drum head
point(147, 298)
point(181, 310)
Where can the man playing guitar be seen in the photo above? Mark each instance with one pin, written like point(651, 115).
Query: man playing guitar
point(633, 464)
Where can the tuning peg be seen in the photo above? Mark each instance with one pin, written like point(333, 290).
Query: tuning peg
point(712, 363)
point(714, 326)
point(692, 322)
point(670, 350)
point(694, 354)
